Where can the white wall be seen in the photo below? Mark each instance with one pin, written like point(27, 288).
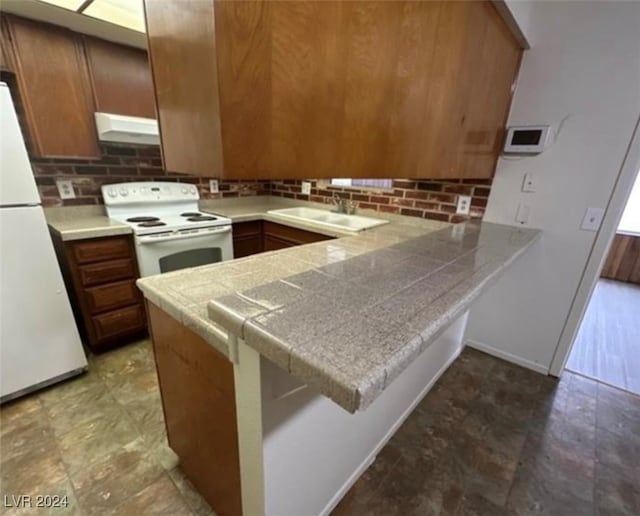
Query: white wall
point(521, 12)
point(583, 68)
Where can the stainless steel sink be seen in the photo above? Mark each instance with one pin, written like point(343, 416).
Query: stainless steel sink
point(353, 223)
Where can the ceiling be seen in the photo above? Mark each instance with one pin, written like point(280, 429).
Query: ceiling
point(121, 21)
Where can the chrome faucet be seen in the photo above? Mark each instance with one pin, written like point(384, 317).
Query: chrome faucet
point(343, 205)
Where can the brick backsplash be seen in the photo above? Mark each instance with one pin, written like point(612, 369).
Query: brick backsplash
point(431, 199)
point(427, 198)
point(122, 163)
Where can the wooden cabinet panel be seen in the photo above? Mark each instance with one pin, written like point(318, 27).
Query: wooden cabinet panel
point(119, 323)
point(121, 78)
point(243, 47)
point(258, 236)
point(55, 90)
point(6, 53)
point(271, 243)
point(489, 79)
point(246, 246)
point(100, 275)
point(249, 228)
point(247, 238)
point(335, 88)
point(112, 295)
point(182, 52)
point(294, 236)
point(106, 271)
point(101, 249)
point(198, 400)
point(623, 260)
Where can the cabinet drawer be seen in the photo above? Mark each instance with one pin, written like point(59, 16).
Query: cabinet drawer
point(119, 322)
point(101, 250)
point(113, 295)
point(105, 272)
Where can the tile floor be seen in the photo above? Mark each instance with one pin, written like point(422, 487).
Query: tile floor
point(489, 439)
point(100, 440)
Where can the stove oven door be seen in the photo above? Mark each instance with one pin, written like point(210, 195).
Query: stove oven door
point(161, 253)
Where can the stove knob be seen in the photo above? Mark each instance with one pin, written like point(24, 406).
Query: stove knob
point(112, 192)
point(192, 190)
point(184, 190)
point(124, 192)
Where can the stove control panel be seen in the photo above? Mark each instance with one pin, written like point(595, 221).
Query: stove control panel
point(148, 192)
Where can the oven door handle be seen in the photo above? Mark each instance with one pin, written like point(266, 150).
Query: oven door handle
point(152, 240)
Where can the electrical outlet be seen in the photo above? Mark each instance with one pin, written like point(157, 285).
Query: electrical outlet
point(306, 187)
point(464, 205)
point(523, 214)
point(592, 219)
point(528, 184)
point(213, 186)
point(65, 189)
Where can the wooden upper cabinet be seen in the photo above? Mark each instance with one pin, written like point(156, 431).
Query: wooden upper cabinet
point(490, 80)
point(182, 51)
point(120, 78)
point(6, 57)
point(332, 88)
point(54, 86)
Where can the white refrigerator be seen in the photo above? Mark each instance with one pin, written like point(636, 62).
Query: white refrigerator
point(39, 341)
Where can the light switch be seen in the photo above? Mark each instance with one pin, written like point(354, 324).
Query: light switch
point(306, 187)
point(464, 205)
point(592, 219)
point(523, 214)
point(65, 189)
point(528, 184)
point(213, 186)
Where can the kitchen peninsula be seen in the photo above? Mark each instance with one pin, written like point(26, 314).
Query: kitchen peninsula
point(284, 373)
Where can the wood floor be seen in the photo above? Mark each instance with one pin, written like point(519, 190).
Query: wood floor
point(608, 344)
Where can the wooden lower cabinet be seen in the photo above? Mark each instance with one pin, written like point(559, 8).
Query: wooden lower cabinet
point(623, 261)
point(247, 238)
point(112, 295)
point(273, 244)
point(198, 399)
point(111, 326)
point(279, 236)
point(100, 275)
point(257, 236)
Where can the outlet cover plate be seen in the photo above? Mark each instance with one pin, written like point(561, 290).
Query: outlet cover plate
point(464, 205)
point(65, 189)
point(306, 188)
point(523, 214)
point(213, 186)
point(528, 183)
point(592, 219)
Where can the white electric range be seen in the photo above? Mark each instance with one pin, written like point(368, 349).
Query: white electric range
point(169, 231)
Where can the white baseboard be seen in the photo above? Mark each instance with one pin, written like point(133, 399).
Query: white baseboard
point(538, 368)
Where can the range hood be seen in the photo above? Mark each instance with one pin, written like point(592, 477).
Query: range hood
point(127, 129)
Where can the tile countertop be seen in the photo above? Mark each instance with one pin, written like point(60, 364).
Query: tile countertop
point(345, 316)
point(80, 222)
